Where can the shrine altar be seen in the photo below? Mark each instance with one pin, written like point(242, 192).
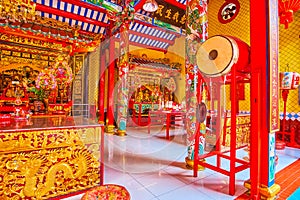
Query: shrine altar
point(143, 107)
point(50, 157)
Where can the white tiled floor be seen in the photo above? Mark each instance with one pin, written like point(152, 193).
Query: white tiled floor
point(153, 168)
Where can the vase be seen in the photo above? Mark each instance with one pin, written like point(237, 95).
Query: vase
point(46, 104)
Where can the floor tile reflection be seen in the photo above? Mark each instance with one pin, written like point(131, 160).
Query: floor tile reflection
point(153, 168)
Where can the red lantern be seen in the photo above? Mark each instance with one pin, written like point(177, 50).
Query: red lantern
point(286, 10)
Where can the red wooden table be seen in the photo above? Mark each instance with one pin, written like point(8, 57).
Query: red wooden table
point(167, 118)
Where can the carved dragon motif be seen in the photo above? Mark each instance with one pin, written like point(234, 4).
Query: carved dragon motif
point(35, 186)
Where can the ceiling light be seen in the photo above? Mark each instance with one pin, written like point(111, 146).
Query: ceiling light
point(150, 6)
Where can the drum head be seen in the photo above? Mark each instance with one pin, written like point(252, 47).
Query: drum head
point(216, 55)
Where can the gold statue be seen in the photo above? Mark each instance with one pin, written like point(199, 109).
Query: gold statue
point(10, 92)
point(19, 92)
point(139, 97)
point(147, 96)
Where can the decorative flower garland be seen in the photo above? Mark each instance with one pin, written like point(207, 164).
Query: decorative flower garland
point(46, 80)
point(62, 71)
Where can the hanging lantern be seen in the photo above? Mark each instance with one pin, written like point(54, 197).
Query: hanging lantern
point(286, 10)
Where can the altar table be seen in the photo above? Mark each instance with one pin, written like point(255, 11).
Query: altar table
point(50, 157)
point(167, 118)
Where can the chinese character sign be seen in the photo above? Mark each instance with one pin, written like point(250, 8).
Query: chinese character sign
point(170, 14)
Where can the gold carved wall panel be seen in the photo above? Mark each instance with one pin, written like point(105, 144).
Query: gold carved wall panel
point(45, 164)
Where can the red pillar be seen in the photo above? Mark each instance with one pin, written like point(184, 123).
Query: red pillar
point(111, 84)
point(101, 88)
point(264, 98)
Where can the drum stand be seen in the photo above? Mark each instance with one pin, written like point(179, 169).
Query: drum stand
point(230, 155)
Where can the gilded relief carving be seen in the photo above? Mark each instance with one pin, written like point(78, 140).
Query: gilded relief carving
point(44, 164)
point(18, 141)
point(30, 41)
point(43, 174)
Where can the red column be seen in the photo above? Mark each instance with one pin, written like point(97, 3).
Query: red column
point(111, 84)
point(234, 111)
point(101, 88)
point(263, 36)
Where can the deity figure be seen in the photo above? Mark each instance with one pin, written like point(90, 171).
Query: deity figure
point(147, 96)
point(10, 92)
point(139, 97)
point(19, 92)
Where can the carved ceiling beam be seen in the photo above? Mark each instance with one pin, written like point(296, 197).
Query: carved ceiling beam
point(25, 34)
point(65, 14)
point(86, 5)
point(156, 27)
point(171, 42)
point(30, 50)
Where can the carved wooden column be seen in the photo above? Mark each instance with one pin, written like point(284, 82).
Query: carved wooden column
point(196, 34)
point(123, 87)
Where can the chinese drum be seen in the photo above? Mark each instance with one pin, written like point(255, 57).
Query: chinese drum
point(289, 80)
point(219, 54)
